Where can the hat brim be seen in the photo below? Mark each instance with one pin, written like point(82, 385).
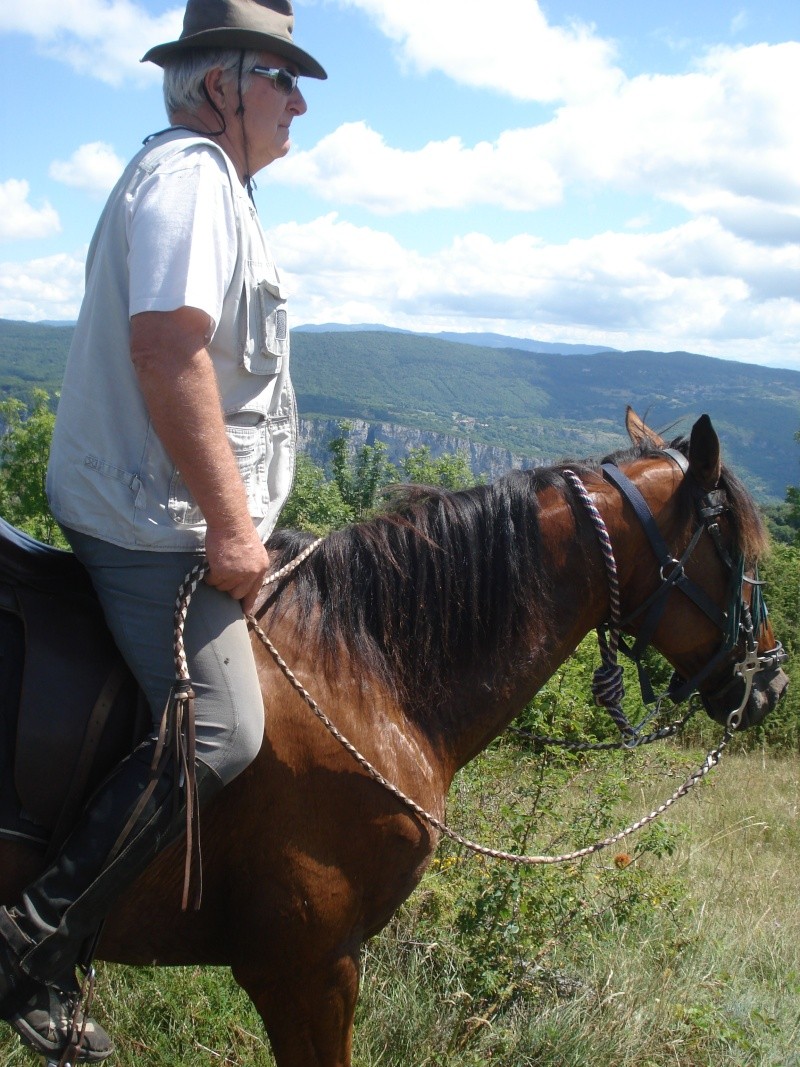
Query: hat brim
point(229, 37)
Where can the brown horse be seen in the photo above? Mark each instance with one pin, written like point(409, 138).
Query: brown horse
point(421, 634)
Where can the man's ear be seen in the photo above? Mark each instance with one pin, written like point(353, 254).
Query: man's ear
point(216, 84)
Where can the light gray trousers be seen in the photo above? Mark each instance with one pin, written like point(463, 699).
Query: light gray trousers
point(138, 591)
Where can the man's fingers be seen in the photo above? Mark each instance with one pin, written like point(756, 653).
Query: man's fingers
point(244, 589)
point(249, 601)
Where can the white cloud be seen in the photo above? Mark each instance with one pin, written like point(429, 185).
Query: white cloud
point(694, 287)
point(728, 129)
point(104, 39)
point(720, 141)
point(351, 272)
point(354, 165)
point(94, 167)
point(47, 288)
point(509, 46)
point(19, 219)
point(526, 56)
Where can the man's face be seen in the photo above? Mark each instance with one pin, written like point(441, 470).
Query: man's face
point(268, 113)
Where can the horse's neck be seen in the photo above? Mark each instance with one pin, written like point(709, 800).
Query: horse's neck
point(483, 705)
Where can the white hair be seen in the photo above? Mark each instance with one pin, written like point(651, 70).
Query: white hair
point(184, 75)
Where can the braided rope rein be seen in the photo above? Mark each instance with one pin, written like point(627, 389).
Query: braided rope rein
point(712, 759)
point(190, 584)
point(608, 687)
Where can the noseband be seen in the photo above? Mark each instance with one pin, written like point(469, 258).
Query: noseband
point(740, 622)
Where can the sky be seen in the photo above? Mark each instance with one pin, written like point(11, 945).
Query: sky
point(607, 172)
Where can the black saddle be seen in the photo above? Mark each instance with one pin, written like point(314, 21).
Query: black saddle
point(69, 708)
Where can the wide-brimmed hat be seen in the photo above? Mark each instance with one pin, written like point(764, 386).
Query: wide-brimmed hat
point(258, 25)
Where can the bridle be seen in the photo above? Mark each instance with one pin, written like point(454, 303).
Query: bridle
point(739, 623)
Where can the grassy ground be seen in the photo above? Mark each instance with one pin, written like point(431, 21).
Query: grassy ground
point(709, 975)
point(684, 952)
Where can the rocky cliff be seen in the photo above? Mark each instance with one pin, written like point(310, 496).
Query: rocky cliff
point(483, 460)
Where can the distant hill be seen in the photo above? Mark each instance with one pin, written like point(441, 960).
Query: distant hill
point(482, 340)
point(541, 407)
point(549, 407)
point(499, 340)
point(32, 355)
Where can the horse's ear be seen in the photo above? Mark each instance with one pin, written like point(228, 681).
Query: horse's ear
point(704, 455)
point(639, 433)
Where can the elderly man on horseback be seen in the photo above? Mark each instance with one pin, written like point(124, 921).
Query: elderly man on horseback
point(174, 440)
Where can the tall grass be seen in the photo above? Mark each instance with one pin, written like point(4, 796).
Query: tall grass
point(711, 978)
point(682, 952)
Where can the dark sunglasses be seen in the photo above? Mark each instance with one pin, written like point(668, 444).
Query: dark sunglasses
point(283, 80)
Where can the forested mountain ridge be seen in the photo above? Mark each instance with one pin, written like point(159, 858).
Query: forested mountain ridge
point(542, 407)
point(482, 340)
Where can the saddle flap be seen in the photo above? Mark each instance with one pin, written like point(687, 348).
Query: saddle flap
point(24, 561)
point(69, 657)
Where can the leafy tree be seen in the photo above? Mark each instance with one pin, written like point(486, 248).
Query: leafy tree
point(360, 474)
point(315, 504)
point(319, 504)
point(783, 520)
point(793, 513)
point(781, 571)
point(451, 471)
point(793, 500)
point(24, 449)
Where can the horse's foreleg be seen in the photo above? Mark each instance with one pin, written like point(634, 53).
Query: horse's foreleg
point(307, 1008)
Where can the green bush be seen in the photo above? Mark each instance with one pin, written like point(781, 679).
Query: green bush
point(24, 449)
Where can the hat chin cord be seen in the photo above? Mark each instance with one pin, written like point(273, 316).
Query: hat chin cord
point(224, 126)
point(249, 184)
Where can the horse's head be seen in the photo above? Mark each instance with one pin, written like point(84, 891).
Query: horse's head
point(707, 615)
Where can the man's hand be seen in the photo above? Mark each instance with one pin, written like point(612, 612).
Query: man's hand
point(238, 563)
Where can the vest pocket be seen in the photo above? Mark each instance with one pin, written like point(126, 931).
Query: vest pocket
point(266, 321)
point(249, 446)
point(265, 458)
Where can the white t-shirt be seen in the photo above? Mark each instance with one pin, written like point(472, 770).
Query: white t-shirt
point(181, 232)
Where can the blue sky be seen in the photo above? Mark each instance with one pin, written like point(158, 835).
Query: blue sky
point(617, 173)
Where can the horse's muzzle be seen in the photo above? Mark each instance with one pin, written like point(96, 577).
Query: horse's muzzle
point(768, 688)
point(769, 685)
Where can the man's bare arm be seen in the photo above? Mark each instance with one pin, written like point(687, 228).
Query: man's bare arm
point(179, 385)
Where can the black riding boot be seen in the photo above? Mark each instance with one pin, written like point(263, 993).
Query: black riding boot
point(42, 938)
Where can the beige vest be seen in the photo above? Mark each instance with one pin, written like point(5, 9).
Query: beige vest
point(109, 475)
